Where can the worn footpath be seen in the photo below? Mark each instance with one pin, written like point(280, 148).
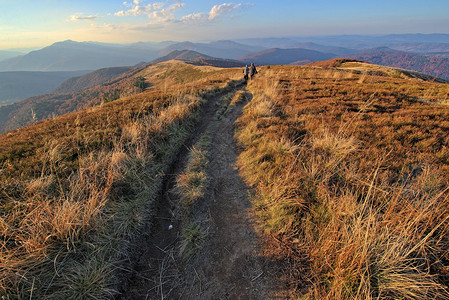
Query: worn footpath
point(230, 263)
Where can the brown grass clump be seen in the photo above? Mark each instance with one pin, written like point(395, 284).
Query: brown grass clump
point(351, 179)
point(74, 189)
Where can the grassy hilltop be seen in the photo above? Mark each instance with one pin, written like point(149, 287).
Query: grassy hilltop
point(348, 165)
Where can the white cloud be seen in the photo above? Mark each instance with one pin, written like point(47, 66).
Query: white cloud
point(165, 15)
point(134, 11)
point(164, 12)
point(215, 12)
point(197, 18)
point(223, 9)
point(79, 17)
point(157, 12)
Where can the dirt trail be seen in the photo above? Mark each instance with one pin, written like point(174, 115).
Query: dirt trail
point(229, 265)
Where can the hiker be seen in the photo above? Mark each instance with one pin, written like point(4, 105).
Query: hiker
point(245, 73)
point(252, 70)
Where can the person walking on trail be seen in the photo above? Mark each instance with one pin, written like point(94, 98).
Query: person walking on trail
point(252, 71)
point(246, 73)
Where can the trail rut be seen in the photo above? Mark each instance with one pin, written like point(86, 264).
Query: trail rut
point(230, 265)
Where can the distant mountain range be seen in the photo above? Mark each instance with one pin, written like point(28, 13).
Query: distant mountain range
point(276, 56)
point(8, 54)
point(325, 49)
point(183, 55)
point(423, 48)
point(197, 58)
point(219, 49)
point(357, 42)
point(73, 56)
point(435, 66)
point(70, 56)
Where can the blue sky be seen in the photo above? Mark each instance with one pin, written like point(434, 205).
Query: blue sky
point(31, 23)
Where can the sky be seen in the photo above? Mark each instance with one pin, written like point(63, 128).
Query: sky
point(34, 24)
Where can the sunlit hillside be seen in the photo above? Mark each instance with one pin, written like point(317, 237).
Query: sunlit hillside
point(75, 188)
point(90, 90)
point(350, 172)
point(344, 166)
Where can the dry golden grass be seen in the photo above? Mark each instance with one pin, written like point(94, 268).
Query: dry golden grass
point(191, 187)
point(192, 183)
point(351, 173)
point(75, 189)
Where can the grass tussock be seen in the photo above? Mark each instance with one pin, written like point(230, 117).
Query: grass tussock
point(191, 187)
point(362, 208)
point(193, 237)
point(75, 189)
point(192, 183)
